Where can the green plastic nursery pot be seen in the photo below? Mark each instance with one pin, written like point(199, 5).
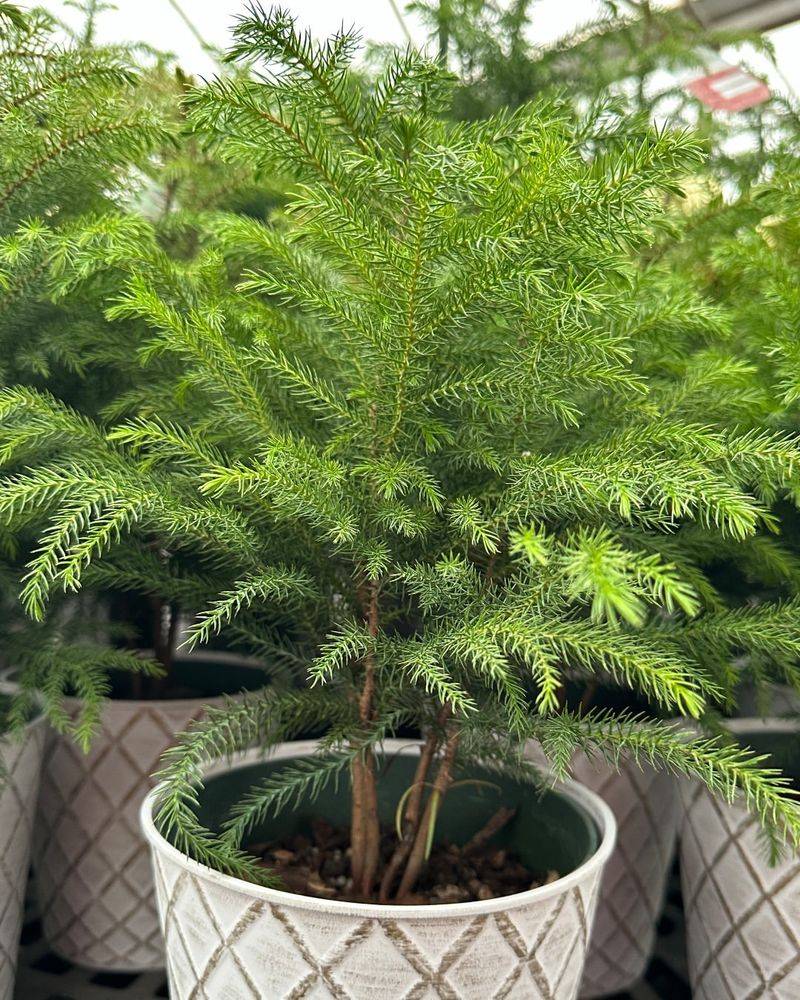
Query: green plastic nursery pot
point(94, 882)
point(742, 915)
point(227, 937)
point(20, 766)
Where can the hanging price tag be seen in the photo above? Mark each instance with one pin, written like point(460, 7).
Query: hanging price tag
point(729, 89)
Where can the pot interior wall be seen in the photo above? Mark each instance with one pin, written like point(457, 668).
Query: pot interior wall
point(619, 699)
point(783, 749)
point(548, 832)
point(197, 677)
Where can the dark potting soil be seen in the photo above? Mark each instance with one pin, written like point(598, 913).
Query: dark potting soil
point(318, 865)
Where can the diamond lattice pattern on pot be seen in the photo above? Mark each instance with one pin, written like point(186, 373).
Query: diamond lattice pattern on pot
point(742, 916)
point(644, 802)
point(223, 942)
point(94, 880)
point(20, 762)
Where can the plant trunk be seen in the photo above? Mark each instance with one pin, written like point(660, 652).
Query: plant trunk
point(357, 829)
point(372, 839)
point(365, 828)
point(588, 696)
point(410, 818)
point(416, 859)
point(165, 623)
point(365, 834)
point(413, 808)
point(443, 30)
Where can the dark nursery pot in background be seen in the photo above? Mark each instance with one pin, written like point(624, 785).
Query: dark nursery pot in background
point(742, 916)
point(226, 937)
point(20, 766)
point(93, 876)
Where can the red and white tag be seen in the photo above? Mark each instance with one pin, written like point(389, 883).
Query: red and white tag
point(729, 89)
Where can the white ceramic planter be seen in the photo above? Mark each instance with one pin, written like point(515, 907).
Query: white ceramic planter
point(229, 938)
point(645, 804)
point(20, 765)
point(93, 875)
point(742, 916)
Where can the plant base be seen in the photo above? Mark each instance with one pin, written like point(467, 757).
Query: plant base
point(228, 937)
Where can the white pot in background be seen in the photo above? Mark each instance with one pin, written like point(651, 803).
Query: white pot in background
point(742, 916)
point(93, 877)
point(645, 804)
point(20, 765)
point(229, 938)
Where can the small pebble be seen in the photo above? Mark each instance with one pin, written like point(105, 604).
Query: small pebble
point(319, 888)
point(498, 859)
point(450, 893)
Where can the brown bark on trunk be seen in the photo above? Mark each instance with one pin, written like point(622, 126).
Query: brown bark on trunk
point(372, 838)
point(588, 696)
point(365, 828)
point(357, 822)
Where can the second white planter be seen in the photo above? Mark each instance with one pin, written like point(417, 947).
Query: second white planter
point(20, 764)
point(742, 915)
point(645, 804)
point(93, 876)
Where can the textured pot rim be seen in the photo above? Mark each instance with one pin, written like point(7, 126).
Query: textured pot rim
point(754, 723)
point(128, 705)
point(580, 796)
point(741, 726)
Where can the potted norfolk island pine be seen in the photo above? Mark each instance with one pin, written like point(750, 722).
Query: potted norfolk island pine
point(71, 133)
point(743, 914)
point(79, 124)
point(417, 448)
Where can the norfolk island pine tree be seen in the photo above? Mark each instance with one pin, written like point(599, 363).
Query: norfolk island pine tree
point(740, 254)
point(613, 71)
point(86, 128)
point(74, 132)
point(634, 59)
point(415, 441)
